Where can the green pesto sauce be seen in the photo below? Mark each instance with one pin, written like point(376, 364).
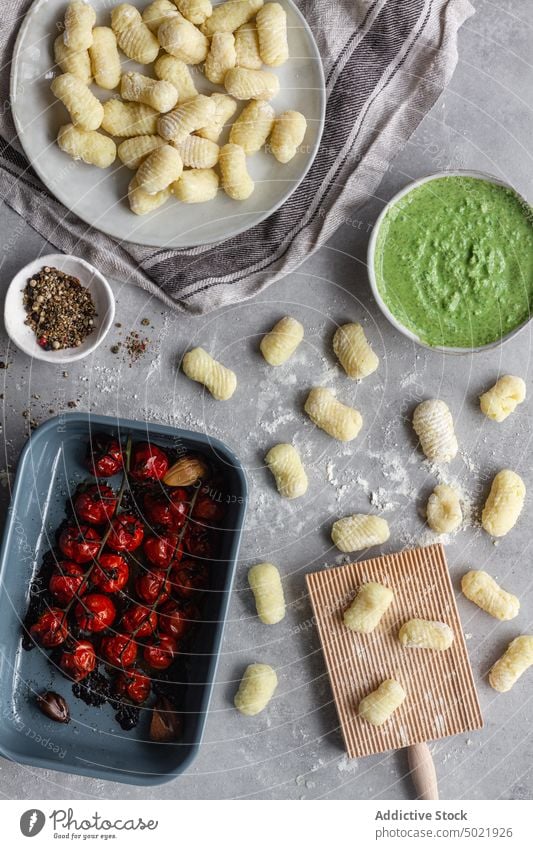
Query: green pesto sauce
point(454, 261)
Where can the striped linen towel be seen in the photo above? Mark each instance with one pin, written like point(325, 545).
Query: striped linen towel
point(385, 62)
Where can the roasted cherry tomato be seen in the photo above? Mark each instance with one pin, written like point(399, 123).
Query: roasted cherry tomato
point(65, 582)
point(126, 533)
point(199, 542)
point(140, 620)
point(148, 462)
point(207, 509)
point(152, 587)
point(95, 612)
point(110, 574)
point(176, 620)
point(104, 456)
point(164, 550)
point(161, 654)
point(133, 684)
point(77, 662)
point(79, 543)
point(167, 509)
point(118, 650)
point(96, 504)
point(51, 629)
point(188, 578)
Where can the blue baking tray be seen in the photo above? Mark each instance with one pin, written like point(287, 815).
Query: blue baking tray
point(93, 744)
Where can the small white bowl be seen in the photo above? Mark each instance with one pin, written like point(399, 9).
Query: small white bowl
point(15, 315)
point(480, 175)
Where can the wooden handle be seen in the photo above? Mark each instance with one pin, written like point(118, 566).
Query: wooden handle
point(422, 770)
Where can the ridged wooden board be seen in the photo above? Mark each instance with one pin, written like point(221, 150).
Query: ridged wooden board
point(441, 695)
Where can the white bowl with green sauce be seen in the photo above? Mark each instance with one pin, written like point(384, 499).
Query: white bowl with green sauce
point(450, 261)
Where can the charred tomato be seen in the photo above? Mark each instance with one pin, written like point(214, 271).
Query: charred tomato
point(51, 629)
point(176, 621)
point(163, 550)
point(199, 542)
point(189, 578)
point(77, 662)
point(167, 509)
point(96, 504)
point(140, 620)
point(79, 543)
point(207, 509)
point(110, 574)
point(161, 654)
point(95, 613)
point(133, 684)
point(118, 650)
point(152, 587)
point(104, 456)
point(126, 533)
point(65, 582)
point(148, 462)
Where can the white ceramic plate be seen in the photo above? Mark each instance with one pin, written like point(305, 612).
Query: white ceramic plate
point(99, 197)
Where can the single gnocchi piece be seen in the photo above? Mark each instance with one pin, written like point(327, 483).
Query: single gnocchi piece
point(265, 583)
point(85, 110)
point(159, 170)
point(159, 94)
point(504, 397)
point(247, 47)
point(338, 420)
point(257, 687)
point(80, 19)
point(443, 512)
point(226, 17)
point(198, 153)
point(517, 659)
point(225, 108)
point(272, 33)
point(126, 120)
point(253, 126)
point(425, 634)
point(285, 464)
point(480, 588)
point(280, 343)
point(175, 71)
point(433, 424)
point(220, 381)
point(186, 118)
point(379, 706)
point(133, 36)
point(75, 62)
point(181, 39)
point(196, 186)
point(236, 180)
point(360, 531)
point(504, 503)
point(287, 135)
point(368, 607)
point(221, 57)
point(155, 13)
point(132, 152)
point(353, 351)
point(141, 203)
point(105, 59)
point(246, 84)
point(196, 11)
point(87, 145)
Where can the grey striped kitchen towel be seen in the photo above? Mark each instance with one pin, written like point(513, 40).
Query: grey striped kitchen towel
point(385, 62)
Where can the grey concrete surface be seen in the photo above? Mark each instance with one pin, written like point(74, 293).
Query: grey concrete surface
point(294, 750)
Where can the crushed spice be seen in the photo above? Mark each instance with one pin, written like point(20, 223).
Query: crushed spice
point(60, 310)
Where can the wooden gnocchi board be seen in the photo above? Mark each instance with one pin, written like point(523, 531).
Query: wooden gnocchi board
point(441, 695)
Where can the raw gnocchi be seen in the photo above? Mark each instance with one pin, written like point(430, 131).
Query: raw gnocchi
point(360, 531)
point(76, 62)
point(280, 343)
point(379, 706)
point(253, 126)
point(503, 398)
point(91, 147)
point(257, 687)
point(196, 186)
point(272, 34)
point(285, 464)
point(133, 36)
point(265, 583)
point(516, 660)
point(155, 13)
point(186, 118)
point(159, 94)
point(176, 72)
point(132, 152)
point(236, 180)
point(226, 17)
point(196, 11)
point(126, 120)
point(287, 135)
point(198, 153)
point(246, 84)
point(225, 107)
point(480, 588)
point(181, 39)
point(80, 19)
point(141, 203)
point(368, 607)
point(353, 351)
point(433, 424)
point(425, 634)
point(221, 57)
point(504, 503)
point(220, 381)
point(159, 170)
point(338, 420)
point(105, 59)
point(247, 47)
point(85, 110)
point(443, 511)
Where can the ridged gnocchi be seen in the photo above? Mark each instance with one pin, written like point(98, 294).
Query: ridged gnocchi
point(517, 659)
point(480, 588)
point(221, 57)
point(105, 59)
point(257, 687)
point(159, 170)
point(503, 398)
point(87, 145)
point(133, 151)
point(220, 381)
point(353, 351)
point(433, 424)
point(198, 153)
point(196, 186)
point(196, 11)
point(253, 126)
point(284, 462)
point(272, 33)
point(226, 17)
point(85, 110)
point(236, 180)
point(288, 133)
point(247, 47)
point(368, 607)
point(280, 343)
point(425, 634)
point(133, 36)
point(126, 120)
point(141, 203)
point(246, 84)
point(159, 94)
point(504, 503)
point(181, 39)
point(338, 420)
point(186, 118)
point(80, 19)
point(175, 71)
point(379, 706)
point(265, 583)
point(360, 531)
point(75, 62)
point(443, 512)
point(225, 107)
point(155, 13)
